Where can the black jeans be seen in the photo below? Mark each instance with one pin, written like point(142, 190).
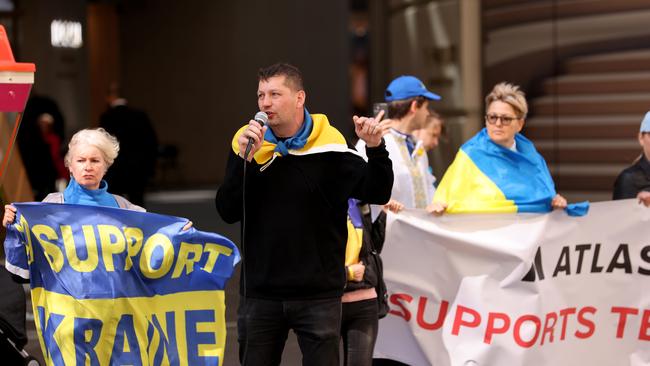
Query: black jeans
point(263, 326)
point(359, 325)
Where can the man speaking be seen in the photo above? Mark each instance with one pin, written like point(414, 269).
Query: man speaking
point(291, 196)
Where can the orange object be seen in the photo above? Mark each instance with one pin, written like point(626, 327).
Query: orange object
point(7, 62)
point(16, 80)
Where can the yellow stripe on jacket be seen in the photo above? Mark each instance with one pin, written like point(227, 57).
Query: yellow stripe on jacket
point(323, 138)
point(466, 189)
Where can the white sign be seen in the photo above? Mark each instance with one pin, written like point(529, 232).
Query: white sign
point(519, 289)
point(66, 34)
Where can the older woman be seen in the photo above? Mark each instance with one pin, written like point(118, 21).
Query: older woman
point(90, 153)
point(499, 170)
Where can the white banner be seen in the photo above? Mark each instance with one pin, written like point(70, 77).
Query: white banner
point(524, 289)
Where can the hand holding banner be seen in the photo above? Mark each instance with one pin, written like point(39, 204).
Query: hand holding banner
point(519, 289)
point(121, 287)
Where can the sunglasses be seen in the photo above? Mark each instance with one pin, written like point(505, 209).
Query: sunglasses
point(505, 120)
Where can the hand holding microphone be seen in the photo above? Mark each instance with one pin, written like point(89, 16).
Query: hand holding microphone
point(253, 136)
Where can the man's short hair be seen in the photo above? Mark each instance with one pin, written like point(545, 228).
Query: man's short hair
point(293, 76)
point(400, 108)
point(435, 116)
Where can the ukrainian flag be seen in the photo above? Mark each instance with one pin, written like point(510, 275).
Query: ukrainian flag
point(322, 138)
point(355, 233)
point(487, 178)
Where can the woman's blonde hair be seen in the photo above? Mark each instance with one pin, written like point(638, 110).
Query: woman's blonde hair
point(97, 137)
point(511, 95)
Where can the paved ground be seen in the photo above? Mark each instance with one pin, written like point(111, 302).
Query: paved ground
point(198, 206)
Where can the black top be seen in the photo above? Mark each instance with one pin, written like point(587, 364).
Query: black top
point(296, 218)
point(633, 180)
point(136, 162)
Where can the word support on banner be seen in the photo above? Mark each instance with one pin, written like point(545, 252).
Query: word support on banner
point(519, 289)
point(117, 287)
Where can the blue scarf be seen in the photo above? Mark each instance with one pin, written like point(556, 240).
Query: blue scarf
point(294, 142)
point(77, 194)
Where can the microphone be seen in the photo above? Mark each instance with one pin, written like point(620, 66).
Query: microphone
point(261, 118)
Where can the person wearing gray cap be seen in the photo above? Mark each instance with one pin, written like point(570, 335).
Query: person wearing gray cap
point(634, 181)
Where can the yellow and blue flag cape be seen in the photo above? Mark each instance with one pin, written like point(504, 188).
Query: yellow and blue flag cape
point(322, 138)
point(355, 233)
point(488, 178)
point(117, 287)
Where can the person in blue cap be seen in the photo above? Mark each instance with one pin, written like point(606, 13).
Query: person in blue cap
point(634, 181)
point(408, 108)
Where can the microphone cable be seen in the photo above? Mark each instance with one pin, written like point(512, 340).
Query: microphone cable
point(261, 118)
point(243, 269)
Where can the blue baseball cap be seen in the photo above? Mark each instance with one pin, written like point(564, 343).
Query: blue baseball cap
point(405, 87)
point(645, 124)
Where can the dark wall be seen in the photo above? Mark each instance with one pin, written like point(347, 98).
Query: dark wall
point(193, 67)
point(61, 73)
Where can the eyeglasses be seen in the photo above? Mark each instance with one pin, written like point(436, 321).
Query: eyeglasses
point(505, 120)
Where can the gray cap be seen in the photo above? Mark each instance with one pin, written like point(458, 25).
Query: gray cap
point(645, 124)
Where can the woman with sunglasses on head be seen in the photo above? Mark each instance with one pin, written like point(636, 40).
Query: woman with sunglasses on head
point(499, 170)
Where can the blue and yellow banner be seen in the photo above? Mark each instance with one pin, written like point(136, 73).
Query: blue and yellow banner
point(118, 287)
